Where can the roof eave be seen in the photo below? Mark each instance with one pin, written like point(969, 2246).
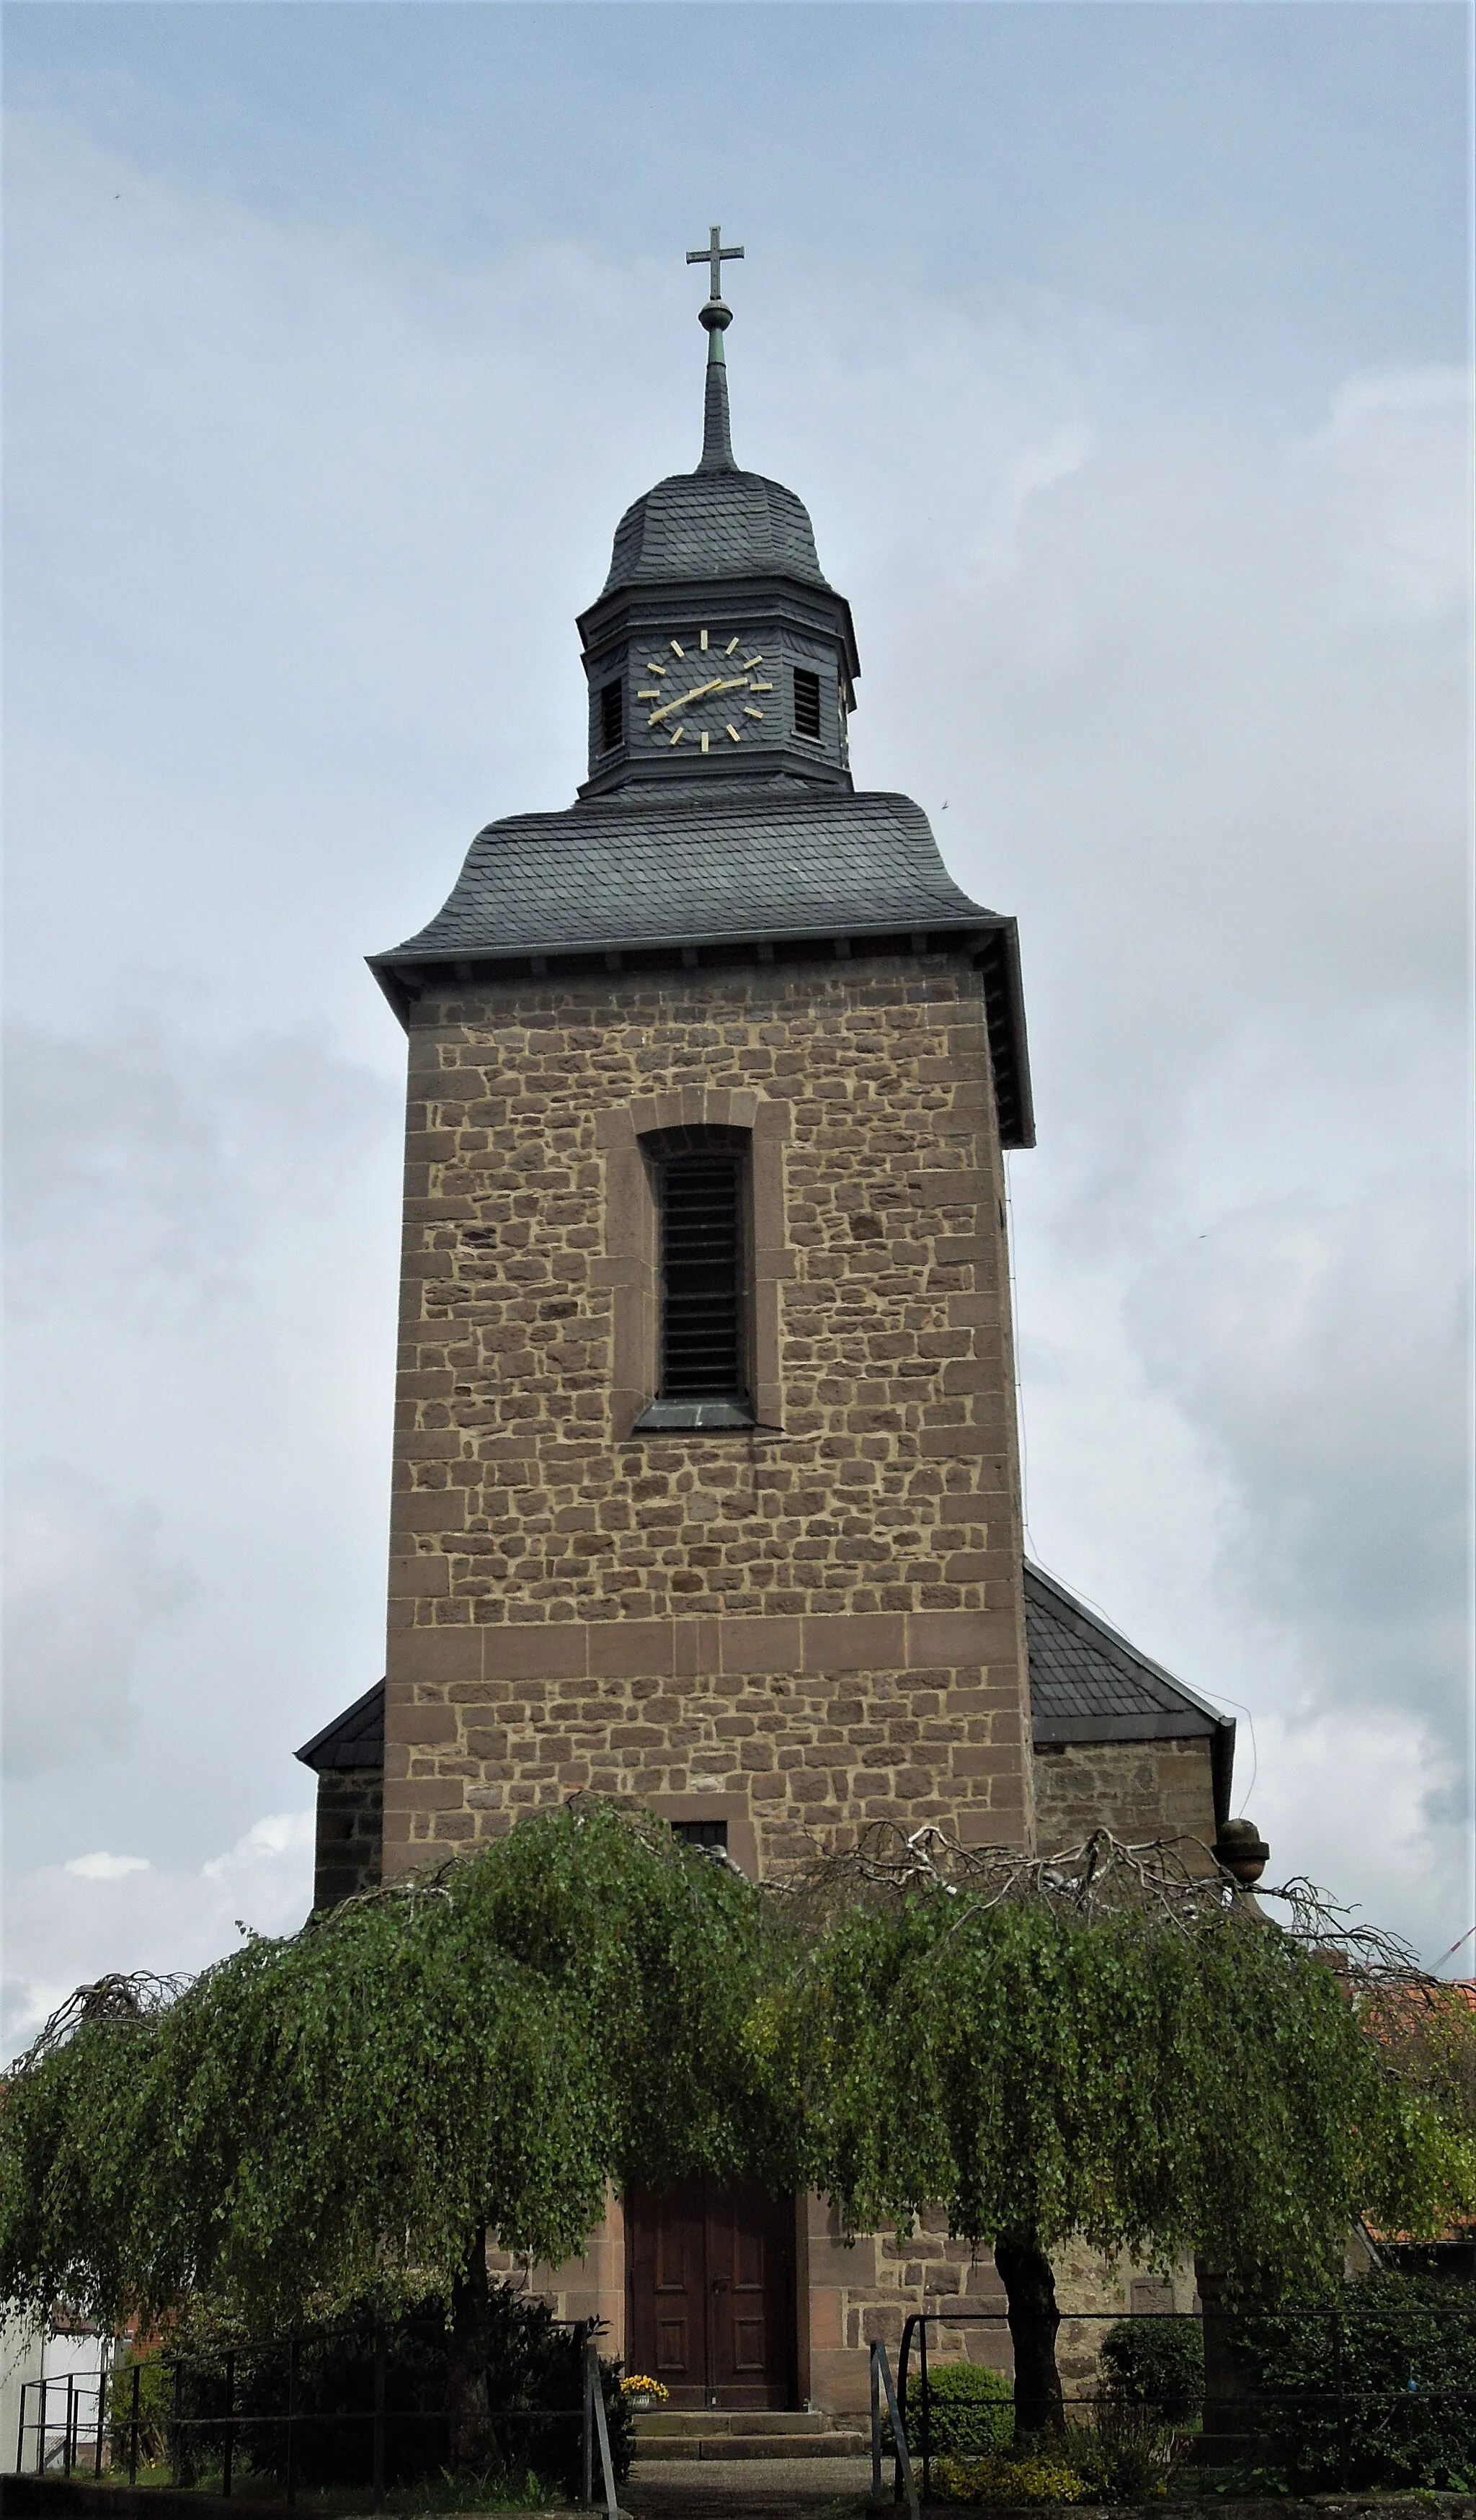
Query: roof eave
point(676, 591)
point(1163, 1727)
point(341, 1723)
point(994, 941)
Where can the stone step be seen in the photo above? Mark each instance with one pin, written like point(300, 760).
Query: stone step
point(745, 2445)
point(695, 2421)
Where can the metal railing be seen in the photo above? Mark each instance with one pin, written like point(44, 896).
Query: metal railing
point(57, 2445)
point(1230, 2416)
point(60, 2445)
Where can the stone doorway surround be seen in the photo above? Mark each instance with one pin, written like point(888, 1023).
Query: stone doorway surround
point(710, 2293)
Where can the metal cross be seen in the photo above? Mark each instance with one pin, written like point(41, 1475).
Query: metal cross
point(715, 254)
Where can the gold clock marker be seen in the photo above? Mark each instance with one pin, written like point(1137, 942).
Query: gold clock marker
point(761, 686)
point(751, 712)
point(653, 667)
point(677, 738)
point(648, 695)
point(705, 738)
point(676, 650)
point(704, 642)
point(751, 660)
point(731, 644)
point(737, 737)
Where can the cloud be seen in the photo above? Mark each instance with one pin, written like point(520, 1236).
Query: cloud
point(147, 1166)
point(70, 1923)
point(86, 1587)
point(298, 535)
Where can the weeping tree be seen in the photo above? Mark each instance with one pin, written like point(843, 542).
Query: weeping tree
point(1110, 2046)
point(480, 2054)
point(1107, 2046)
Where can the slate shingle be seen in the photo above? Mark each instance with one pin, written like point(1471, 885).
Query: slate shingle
point(714, 525)
point(657, 867)
point(1084, 1674)
point(353, 1739)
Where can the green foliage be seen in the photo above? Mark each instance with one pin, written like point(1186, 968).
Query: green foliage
point(1013, 2479)
point(559, 2011)
point(1149, 2087)
point(532, 2364)
point(156, 2406)
point(1156, 2362)
point(589, 2001)
point(1127, 2458)
point(1428, 2033)
point(971, 2410)
point(1402, 2352)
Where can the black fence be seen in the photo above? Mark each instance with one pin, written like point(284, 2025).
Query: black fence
point(65, 2437)
point(1232, 2419)
point(247, 2411)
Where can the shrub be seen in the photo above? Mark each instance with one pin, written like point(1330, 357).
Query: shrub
point(156, 2406)
point(1376, 2386)
point(1129, 2456)
point(532, 2365)
point(1156, 2362)
point(970, 2410)
point(1011, 2478)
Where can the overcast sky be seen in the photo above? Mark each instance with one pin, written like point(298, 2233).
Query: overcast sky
point(1120, 354)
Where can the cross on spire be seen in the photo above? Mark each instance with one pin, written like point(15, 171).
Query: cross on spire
point(715, 253)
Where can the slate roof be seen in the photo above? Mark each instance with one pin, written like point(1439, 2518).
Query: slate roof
point(661, 867)
point(715, 524)
point(1087, 1683)
point(353, 1739)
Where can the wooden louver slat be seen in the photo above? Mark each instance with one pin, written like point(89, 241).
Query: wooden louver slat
point(703, 1295)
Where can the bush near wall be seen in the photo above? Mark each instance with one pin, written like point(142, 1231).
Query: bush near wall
point(970, 2410)
point(534, 2364)
point(1156, 2362)
point(1402, 2350)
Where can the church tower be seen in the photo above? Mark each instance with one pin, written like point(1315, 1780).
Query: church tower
point(706, 1488)
point(705, 1479)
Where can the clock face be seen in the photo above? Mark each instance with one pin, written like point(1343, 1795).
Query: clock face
point(704, 695)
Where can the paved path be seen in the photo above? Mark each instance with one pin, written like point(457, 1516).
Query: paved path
point(748, 2488)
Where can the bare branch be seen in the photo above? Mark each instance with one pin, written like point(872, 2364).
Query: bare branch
point(133, 1995)
point(1176, 1881)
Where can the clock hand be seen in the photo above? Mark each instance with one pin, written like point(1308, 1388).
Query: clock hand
point(699, 691)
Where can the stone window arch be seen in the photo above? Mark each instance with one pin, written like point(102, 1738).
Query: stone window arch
point(646, 1144)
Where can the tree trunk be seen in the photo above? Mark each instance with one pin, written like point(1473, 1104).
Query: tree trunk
point(472, 2446)
point(1030, 2292)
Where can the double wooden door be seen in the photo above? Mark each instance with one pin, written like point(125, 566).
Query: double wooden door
point(710, 2293)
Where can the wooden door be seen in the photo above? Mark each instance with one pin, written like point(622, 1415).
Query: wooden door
point(710, 2293)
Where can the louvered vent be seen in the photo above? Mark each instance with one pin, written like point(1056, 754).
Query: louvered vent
point(807, 705)
point(611, 716)
point(702, 1330)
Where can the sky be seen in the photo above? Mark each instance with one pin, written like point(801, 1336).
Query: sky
point(1121, 354)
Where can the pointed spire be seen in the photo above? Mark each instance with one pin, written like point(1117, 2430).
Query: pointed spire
point(717, 440)
point(715, 318)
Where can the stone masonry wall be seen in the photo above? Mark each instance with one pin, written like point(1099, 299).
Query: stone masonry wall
point(349, 1837)
point(1137, 1790)
point(807, 1626)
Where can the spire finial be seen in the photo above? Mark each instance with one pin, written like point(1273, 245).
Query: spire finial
point(715, 318)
